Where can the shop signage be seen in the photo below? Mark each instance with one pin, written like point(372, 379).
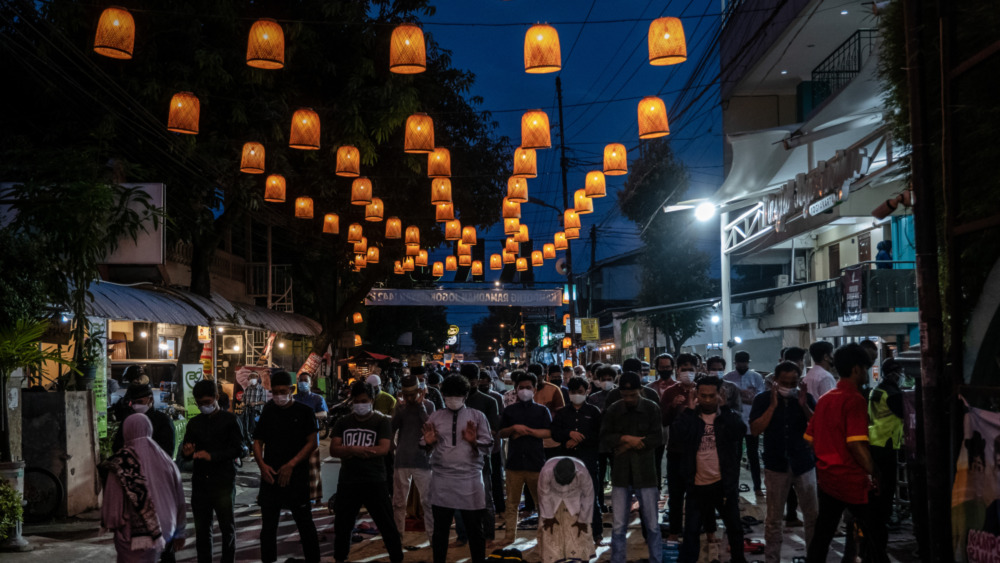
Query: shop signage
point(590, 329)
point(823, 204)
point(543, 335)
point(192, 373)
point(853, 291)
point(204, 334)
point(452, 330)
point(823, 186)
point(465, 297)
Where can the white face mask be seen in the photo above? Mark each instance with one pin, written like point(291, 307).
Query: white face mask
point(208, 409)
point(525, 394)
point(648, 379)
point(577, 399)
point(422, 385)
point(715, 373)
point(253, 382)
point(362, 409)
point(686, 376)
point(454, 403)
point(282, 400)
point(140, 408)
point(787, 392)
point(608, 385)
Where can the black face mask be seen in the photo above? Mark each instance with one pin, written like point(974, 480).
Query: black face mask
point(665, 373)
point(557, 381)
point(484, 387)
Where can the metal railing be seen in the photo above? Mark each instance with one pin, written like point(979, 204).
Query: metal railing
point(842, 65)
point(884, 290)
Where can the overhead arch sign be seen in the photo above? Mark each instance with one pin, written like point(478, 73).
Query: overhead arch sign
point(465, 297)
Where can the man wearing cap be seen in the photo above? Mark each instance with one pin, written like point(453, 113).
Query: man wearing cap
point(565, 509)
point(885, 435)
point(431, 393)
point(140, 400)
point(751, 384)
point(383, 402)
point(635, 366)
point(412, 460)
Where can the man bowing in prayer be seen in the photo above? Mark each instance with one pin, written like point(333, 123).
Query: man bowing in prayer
point(565, 508)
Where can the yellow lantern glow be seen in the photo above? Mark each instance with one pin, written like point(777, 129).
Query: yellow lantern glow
point(517, 190)
point(522, 264)
point(358, 319)
point(348, 162)
point(567, 342)
point(360, 261)
point(522, 234)
point(413, 251)
point(450, 263)
point(565, 318)
point(445, 212)
point(535, 130)
point(453, 230)
point(511, 245)
point(652, 118)
point(465, 260)
point(615, 160)
point(439, 163)
point(407, 54)
point(571, 220)
point(496, 262)
point(421, 258)
point(419, 138)
point(541, 50)
point(331, 223)
point(361, 191)
point(573, 234)
point(596, 185)
point(667, 45)
point(185, 110)
point(361, 246)
point(253, 158)
point(477, 268)
point(372, 257)
point(274, 188)
point(469, 235)
point(464, 249)
point(305, 130)
point(438, 269)
point(374, 210)
point(559, 241)
point(549, 251)
point(509, 257)
point(525, 163)
point(581, 203)
point(397, 267)
point(440, 191)
point(115, 37)
point(511, 226)
point(357, 340)
point(393, 228)
point(266, 45)
point(413, 235)
point(354, 233)
point(304, 208)
point(408, 264)
point(511, 209)
point(537, 259)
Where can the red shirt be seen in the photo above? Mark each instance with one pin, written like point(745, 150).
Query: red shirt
point(841, 417)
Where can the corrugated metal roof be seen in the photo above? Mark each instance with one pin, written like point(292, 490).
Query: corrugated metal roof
point(267, 319)
point(129, 303)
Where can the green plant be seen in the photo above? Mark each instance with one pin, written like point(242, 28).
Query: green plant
point(11, 511)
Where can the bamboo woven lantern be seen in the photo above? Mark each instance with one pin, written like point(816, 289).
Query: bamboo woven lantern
point(253, 158)
point(511, 209)
point(331, 224)
point(397, 267)
point(413, 235)
point(361, 191)
point(581, 203)
point(357, 340)
point(496, 262)
point(358, 319)
point(303, 208)
point(549, 251)
point(652, 118)
point(559, 241)
point(361, 246)
point(348, 162)
point(469, 235)
point(115, 36)
point(360, 261)
point(511, 245)
point(266, 45)
point(465, 260)
point(354, 233)
point(419, 137)
point(421, 258)
point(522, 264)
point(439, 163)
point(450, 263)
point(477, 268)
point(305, 130)
point(596, 185)
point(412, 251)
point(440, 191)
point(511, 226)
point(393, 228)
point(667, 45)
point(464, 249)
point(535, 130)
point(407, 54)
point(517, 190)
point(372, 255)
point(408, 264)
point(453, 230)
point(437, 270)
point(615, 160)
point(573, 234)
point(571, 220)
point(274, 188)
point(185, 110)
point(541, 50)
point(522, 234)
point(537, 259)
point(567, 342)
point(525, 163)
point(374, 210)
point(445, 212)
point(509, 257)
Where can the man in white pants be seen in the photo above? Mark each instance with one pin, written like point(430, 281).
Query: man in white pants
point(412, 460)
point(565, 509)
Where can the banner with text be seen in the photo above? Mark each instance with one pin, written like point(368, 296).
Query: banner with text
point(975, 495)
point(465, 297)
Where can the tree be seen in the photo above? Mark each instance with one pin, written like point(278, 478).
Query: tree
point(504, 325)
point(383, 327)
point(674, 269)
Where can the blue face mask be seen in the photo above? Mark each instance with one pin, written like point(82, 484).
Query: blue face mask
point(303, 387)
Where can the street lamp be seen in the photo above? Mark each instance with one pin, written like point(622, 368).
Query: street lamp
point(704, 211)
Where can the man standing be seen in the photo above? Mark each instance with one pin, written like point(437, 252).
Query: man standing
point(412, 461)
point(547, 394)
point(361, 440)
point(819, 380)
point(488, 406)
point(750, 383)
point(496, 459)
point(716, 366)
point(564, 506)
point(254, 397)
point(432, 394)
point(317, 404)
point(555, 377)
point(140, 400)
point(635, 366)
point(631, 430)
point(675, 401)
point(664, 365)
point(382, 402)
point(845, 473)
point(605, 380)
point(213, 440)
point(710, 440)
point(577, 429)
point(782, 415)
point(885, 411)
point(284, 439)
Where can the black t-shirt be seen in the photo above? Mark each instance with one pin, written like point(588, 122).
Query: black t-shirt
point(284, 432)
point(526, 453)
point(366, 433)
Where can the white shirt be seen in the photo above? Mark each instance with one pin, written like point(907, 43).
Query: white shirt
point(819, 381)
point(578, 496)
point(457, 478)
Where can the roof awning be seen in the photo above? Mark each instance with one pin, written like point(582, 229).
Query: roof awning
point(262, 318)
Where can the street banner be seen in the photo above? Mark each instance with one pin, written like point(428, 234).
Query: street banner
point(190, 374)
point(590, 329)
point(975, 496)
point(853, 288)
point(465, 297)
point(101, 381)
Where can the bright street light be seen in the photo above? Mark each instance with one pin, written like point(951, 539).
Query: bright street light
point(715, 319)
point(704, 211)
point(738, 340)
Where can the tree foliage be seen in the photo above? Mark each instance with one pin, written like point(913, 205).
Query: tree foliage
point(489, 328)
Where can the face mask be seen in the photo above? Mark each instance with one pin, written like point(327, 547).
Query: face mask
point(362, 409)
point(686, 376)
point(647, 379)
point(577, 399)
point(454, 403)
point(557, 381)
point(608, 385)
point(140, 408)
point(787, 392)
point(304, 387)
point(484, 388)
point(282, 400)
point(665, 373)
point(253, 382)
point(208, 409)
point(715, 373)
point(525, 394)
point(422, 385)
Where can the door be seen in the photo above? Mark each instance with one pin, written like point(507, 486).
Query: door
point(833, 256)
point(864, 247)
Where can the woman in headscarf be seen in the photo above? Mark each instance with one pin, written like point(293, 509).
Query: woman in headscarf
point(143, 497)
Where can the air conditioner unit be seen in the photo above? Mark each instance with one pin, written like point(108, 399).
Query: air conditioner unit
point(758, 307)
point(800, 268)
point(232, 344)
point(781, 280)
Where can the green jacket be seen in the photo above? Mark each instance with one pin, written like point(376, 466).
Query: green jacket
point(885, 413)
point(635, 468)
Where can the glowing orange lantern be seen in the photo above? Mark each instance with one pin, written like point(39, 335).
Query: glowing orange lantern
point(440, 191)
point(615, 160)
point(438, 269)
point(522, 234)
point(357, 340)
point(517, 190)
point(185, 110)
point(652, 118)
point(525, 164)
point(445, 212)
point(509, 257)
point(253, 158)
point(549, 251)
point(567, 342)
point(374, 210)
point(372, 257)
point(397, 267)
point(537, 259)
point(274, 188)
point(331, 223)
point(407, 54)
point(559, 241)
point(408, 264)
point(361, 246)
point(266, 45)
point(511, 226)
point(464, 249)
point(354, 233)
point(477, 268)
point(413, 251)
point(573, 234)
point(571, 220)
point(304, 208)
point(421, 258)
point(496, 261)
point(393, 228)
point(511, 245)
point(667, 45)
point(358, 319)
point(305, 130)
point(565, 318)
point(450, 263)
point(469, 235)
point(581, 203)
point(522, 264)
point(419, 137)
point(535, 130)
point(453, 230)
point(596, 185)
point(115, 36)
point(541, 50)
point(361, 191)
point(348, 162)
point(360, 261)
point(511, 209)
point(465, 260)
point(439, 163)
point(413, 235)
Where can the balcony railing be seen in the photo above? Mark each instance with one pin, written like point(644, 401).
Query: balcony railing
point(843, 64)
point(883, 290)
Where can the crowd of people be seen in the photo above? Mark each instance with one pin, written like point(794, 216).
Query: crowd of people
point(486, 455)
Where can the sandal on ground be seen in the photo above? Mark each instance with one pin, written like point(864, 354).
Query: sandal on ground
point(744, 488)
point(752, 546)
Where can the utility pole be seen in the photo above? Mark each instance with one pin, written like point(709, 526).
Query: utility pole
point(564, 164)
point(590, 272)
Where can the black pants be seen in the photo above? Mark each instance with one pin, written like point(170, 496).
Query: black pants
point(753, 459)
point(658, 456)
point(219, 498)
point(302, 514)
point(885, 461)
point(676, 486)
point(374, 497)
point(489, 516)
point(442, 530)
point(830, 511)
point(702, 503)
point(603, 466)
point(596, 523)
point(496, 467)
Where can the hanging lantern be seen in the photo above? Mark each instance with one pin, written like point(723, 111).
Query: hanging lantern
point(360, 261)
point(615, 160)
point(438, 269)
point(652, 118)
point(571, 220)
point(266, 45)
point(421, 258)
point(357, 340)
point(115, 36)
point(185, 110)
point(537, 259)
point(509, 257)
point(413, 235)
point(348, 162)
point(361, 246)
point(511, 209)
point(450, 263)
point(541, 50)
point(549, 251)
point(354, 233)
point(469, 235)
point(595, 186)
point(439, 163)
point(453, 230)
point(522, 234)
point(559, 241)
point(406, 50)
point(374, 210)
point(397, 267)
point(511, 226)
point(358, 319)
point(413, 251)
point(305, 130)
point(522, 264)
point(573, 234)
point(331, 224)
point(517, 190)
point(565, 318)
point(361, 191)
point(567, 342)
point(419, 136)
point(253, 158)
point(465, 260)
point(440, 191)
point(666, 42)
point(393, 228)
point(525, 165)
point(445, 212)
point(477, 268)
point(535, 130)
point(274, 188)
point(303, 208)
point(496, 262)
point(511, 245)
point(372, 257)
point(464, 249)
point(581, 203)
point(408, 264)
